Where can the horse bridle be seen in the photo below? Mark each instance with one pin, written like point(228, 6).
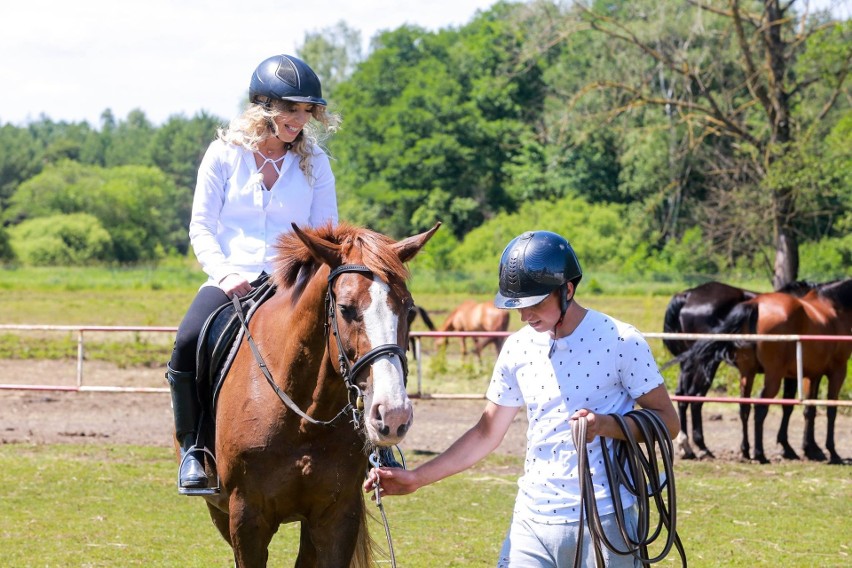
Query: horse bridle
point(348, 369)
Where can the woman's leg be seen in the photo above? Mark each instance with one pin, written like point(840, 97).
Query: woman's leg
point(181, 376)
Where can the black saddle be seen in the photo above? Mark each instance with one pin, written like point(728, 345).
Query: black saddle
point(220, 339)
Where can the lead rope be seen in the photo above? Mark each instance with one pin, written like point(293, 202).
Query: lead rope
point(375, 461)
point(640, 474)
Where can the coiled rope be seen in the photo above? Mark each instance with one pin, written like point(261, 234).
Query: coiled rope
point(636, 469)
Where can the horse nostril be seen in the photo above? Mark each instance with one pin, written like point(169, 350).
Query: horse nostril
point(402, 430)
point(384, 430)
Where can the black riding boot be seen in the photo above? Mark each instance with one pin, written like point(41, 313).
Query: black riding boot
point(186, 409)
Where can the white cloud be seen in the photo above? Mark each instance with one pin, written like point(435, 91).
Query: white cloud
point(72, 60)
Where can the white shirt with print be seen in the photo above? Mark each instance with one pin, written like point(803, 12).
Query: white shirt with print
point(604, 365)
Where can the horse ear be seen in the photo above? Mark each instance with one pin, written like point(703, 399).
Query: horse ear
point(408, 248)
point(321, 249)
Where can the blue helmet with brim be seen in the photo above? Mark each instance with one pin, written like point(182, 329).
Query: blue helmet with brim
point(285, 78)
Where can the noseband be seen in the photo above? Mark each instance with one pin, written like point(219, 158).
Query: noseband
point(349, 370)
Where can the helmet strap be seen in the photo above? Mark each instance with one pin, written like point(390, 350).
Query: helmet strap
point(564, 302)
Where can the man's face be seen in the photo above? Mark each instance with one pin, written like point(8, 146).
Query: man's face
point(544, 315)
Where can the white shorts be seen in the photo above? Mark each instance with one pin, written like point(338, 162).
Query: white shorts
point(534, 545)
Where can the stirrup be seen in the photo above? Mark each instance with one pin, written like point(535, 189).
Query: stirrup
point(214, 490)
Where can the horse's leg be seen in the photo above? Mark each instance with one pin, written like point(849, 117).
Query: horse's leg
point(809, 445)
point(307, 551)
point(835, 382)
point(745, 411)
point(760, 412)
point(830, 416)
point(786, 411)
point(221, 521)
point(771, 384)
point(250, 534)
point(333, 537)
point(698, 430)
point(682, 439)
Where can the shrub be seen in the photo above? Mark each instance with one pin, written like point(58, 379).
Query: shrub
point(61, 240)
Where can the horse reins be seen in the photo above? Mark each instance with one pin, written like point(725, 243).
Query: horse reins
point(640, 474)
point(265, 370)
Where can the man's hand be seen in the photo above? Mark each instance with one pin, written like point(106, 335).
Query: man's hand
point(392, 481)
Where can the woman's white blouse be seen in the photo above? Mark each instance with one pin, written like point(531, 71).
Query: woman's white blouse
point(235, 221)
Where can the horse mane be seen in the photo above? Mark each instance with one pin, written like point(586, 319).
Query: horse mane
point(799, 288)
point(295, 264)
point(838, 292)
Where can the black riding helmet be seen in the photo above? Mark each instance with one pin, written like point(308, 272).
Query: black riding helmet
point(285, 78)
point(532, 266)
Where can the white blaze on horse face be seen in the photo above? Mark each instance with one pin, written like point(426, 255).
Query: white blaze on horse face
point(386, 399)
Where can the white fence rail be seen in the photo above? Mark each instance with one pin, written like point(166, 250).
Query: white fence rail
point(418, 336)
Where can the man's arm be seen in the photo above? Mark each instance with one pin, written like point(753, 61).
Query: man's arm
point(468, 449)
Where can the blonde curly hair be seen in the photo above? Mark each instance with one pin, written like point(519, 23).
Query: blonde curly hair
point(258, 122)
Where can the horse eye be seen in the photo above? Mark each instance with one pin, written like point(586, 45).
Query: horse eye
point(349, 313)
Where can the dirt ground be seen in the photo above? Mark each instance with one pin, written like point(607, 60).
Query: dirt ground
point(47, 416)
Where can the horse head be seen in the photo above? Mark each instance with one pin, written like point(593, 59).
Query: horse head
point(369, 311)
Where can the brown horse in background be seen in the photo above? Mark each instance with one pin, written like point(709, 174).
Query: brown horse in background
point(477, 316)
point(333, 340)
point(825, 310)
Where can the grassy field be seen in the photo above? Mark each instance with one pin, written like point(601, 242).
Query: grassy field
point(90, 506)
point(77, 505)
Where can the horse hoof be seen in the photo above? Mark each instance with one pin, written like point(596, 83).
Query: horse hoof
point(813, 453)
point(789, 454)
point(706, 454)
point(761, 459)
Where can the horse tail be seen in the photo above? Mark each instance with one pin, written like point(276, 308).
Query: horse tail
point(704, 357)
point(363, 556)
point(426, 319)
point(671, 324)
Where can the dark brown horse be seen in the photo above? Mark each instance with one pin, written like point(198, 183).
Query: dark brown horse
point(825, 310)
point(477, 316)
point(333, 340)
point(697, 310)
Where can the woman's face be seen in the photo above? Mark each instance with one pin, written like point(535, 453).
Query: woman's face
point(292, 119)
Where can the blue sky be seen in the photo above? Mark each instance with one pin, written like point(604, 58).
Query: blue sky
point(71, 60)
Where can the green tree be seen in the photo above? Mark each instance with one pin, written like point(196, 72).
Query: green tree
point(733, 93)
point(430, 121)
point(333, 53)
point(130, 141)
point(20, 159)
point(134, 204)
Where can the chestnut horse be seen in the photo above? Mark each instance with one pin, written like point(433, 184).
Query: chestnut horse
point(825, 310)
point(477, 316)
point(296, 420)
